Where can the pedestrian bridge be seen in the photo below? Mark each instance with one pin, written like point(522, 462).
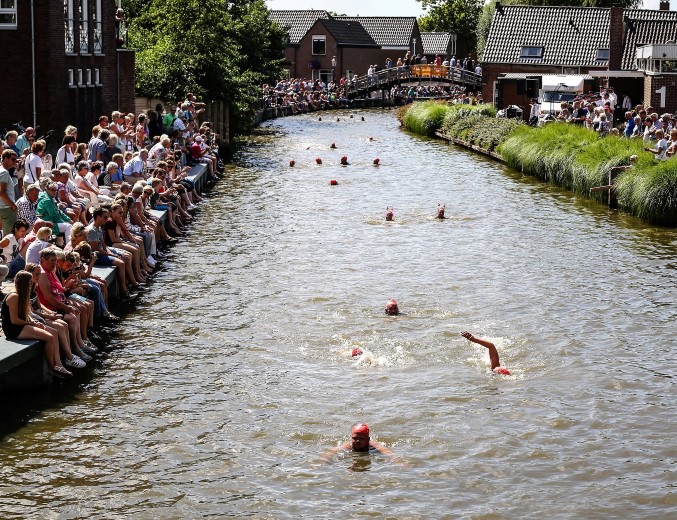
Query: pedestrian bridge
point(413, 75)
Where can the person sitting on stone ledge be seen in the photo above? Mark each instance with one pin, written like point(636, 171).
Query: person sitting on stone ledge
point(51, 320)
point(52, 297)
point(18, 324)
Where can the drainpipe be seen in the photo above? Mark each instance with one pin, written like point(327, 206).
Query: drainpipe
point(35, 110)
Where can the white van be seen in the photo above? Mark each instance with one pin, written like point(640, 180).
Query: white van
point(555, 90)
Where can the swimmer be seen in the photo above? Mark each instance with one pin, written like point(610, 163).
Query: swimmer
point(440, 212)
point(360, 443)
point(344, 160)
point(493, 353)
point(391, 308)
point(377, 161)
point(318, 160)
point(292, 163)
point(352, 352)
point(390, 214)
point(333, 146)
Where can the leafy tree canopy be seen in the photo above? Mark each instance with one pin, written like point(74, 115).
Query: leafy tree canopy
point(220, 50)
point(454, 16)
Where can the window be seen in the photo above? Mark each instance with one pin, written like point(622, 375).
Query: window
point(325, 75)
point(571, 70)
point(7, 14)
point(68, 27)
point(319, 45)
point(532, 52)
point(84, 27)
point(98, 41)
point(602, 55)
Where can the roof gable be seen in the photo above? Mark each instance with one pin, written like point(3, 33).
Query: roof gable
point(387, 31)
point(297, 23)
point(568, 35)
point(643, 27)
point(348, 34)
point(435, 42)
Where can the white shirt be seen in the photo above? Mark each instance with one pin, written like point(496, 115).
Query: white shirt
point(33, 162)
point(65, 155)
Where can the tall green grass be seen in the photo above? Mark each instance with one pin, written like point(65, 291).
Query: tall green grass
point(649, 190)
point(566, 155)
point(425, 118)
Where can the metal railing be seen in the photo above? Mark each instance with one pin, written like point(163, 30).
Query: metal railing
point(69, 35)
point(84, 36)
point(397, 75)
point(98, 40)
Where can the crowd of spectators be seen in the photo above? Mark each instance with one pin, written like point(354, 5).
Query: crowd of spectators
point(603, 112)
point(91, 206)
point(303, 94)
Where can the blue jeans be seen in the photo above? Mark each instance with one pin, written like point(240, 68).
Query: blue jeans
point(16, 265)
point(96, 296)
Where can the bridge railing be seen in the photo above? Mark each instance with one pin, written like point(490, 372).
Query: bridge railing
point(387, 77)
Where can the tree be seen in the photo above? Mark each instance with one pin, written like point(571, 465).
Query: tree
point(217, 49)
point(455, 16)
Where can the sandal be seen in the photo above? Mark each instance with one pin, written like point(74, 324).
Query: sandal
point(60, 371)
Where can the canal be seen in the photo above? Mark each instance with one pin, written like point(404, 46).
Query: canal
point(222, 390)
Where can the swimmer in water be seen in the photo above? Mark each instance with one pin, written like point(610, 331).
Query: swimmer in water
point(391, 308)
point(352, 352)
point(360, 443)
point(493, 353)
point(390, 214)
point(440, 212)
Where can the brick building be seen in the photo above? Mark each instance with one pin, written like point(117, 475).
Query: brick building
point(345, 40)
point(74, 70)
point(599, 44)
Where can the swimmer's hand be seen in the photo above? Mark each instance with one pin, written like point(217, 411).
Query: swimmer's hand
point(468, 336)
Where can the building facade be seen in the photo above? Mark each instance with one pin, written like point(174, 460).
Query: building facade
point(67, 64)
point(601, 45)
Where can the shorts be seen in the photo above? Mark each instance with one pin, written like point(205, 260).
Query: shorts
point(104, 260)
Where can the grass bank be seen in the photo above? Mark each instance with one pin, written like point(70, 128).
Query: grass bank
point(566, 155)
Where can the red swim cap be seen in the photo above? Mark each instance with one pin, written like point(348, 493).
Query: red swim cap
point(391, 307)
point(361, 428)
point(356, 352)
point(502, 370)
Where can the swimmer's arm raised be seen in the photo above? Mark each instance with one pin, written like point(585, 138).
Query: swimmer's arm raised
point(493, 353)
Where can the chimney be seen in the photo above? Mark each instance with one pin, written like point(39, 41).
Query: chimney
point(616, 34)
point(664, 5)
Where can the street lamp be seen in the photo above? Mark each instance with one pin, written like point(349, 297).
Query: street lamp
point(413, 40)
point(333, 66)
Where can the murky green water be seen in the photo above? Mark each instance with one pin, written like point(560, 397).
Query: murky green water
point(227, 383)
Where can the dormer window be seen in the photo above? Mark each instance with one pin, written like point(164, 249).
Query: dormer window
point(532, 52)
point(319, 45)
point(602, 55)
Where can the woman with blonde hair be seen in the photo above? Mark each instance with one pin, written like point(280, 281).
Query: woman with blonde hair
point(18, 324)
